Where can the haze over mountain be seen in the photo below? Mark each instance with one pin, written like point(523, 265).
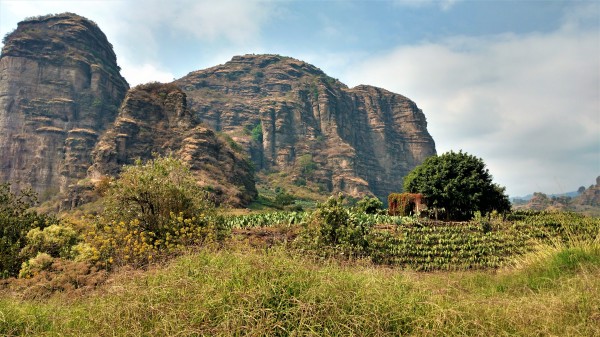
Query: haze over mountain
point(68, 118)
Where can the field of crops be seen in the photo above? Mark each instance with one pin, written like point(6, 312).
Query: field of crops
point(425, 245)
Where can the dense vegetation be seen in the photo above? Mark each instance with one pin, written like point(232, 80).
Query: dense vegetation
point(457, 184)
point(16, 220)
point(335, 270)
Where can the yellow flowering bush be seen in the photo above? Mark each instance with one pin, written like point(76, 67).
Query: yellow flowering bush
point(129, 243)
point(55, 240)
point(35, 265)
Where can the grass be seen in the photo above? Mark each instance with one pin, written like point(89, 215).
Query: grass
point(554, 291)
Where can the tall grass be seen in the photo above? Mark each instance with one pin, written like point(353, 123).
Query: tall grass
point(554, 291)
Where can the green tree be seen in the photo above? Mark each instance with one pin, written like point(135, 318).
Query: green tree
point(151, 191)
point(458, 184)
point(369, 205)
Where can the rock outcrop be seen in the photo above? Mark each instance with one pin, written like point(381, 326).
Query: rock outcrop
point(60, 87)
point(154, 119)
point(293, 118)
point(66, 115)
point(590, 196)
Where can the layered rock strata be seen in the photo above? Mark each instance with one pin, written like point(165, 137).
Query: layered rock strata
point(292, 117)
point(154, 119)
point(60, 87)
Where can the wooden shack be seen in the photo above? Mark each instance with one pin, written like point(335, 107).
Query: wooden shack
point(405, 204)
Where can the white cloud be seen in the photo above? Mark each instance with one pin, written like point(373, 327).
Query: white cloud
point(529, 105)
point(144, 73)
point(236, 21)
point(442, 4)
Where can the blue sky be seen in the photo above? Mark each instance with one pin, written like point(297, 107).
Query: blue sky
point(516, 83)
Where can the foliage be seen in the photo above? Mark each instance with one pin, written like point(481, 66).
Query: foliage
point(369, 205)
point(257, 133)
point(282, 198)
point(335, 229)
point(306, 164)
point(153, 210)
point(150, 192)
point(457, 183)
point(35, 265)
point(45, 276)
point(130, 243)
point(404, 204)
point(16, 220)
point(55, 240)
point(260, 219)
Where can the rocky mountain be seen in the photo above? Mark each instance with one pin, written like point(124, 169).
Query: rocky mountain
point(291, 117)
point(154, 118)
point(590, 196)
point(60, 87)
point(587, 201)
point(67, 117)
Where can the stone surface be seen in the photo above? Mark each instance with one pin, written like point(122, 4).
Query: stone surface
point(358, 140)
point(60, 87)
point(590, 196)
point(60, 121)
point(154, 119)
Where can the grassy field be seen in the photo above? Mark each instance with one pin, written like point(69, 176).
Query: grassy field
point(533, 275)
point(554, 291)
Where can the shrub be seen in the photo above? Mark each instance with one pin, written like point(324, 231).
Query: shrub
point(55, 240)
point(35, 265)
point(152, 210)
point(257, 133)
point(369, 205)
point(306, 164)
point(149, 192)
point(129, 243)
point(16, 220)
point(334, 229)
point(57, 275)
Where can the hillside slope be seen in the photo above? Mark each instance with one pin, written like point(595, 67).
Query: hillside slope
point(154, 119)
point(292, 117)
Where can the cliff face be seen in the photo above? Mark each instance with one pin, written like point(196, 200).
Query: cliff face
point(60, 93)
point(292, 117)
point(60, 87)
point(154, 119)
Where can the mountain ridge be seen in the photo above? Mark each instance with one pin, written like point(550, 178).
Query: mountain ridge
point(360, 140)
point(289, 117)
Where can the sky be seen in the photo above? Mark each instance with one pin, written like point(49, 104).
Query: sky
point(516, 83)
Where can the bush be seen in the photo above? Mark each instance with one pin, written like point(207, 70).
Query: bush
point(35, 265)
point(369, 205)
point(55, 240)
point(16, 220)
point(149, 192)
point(334, 229)
point(47, 275)
point(152, 211)
point(128, 243)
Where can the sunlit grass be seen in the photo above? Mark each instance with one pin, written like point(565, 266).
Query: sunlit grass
point(553, 291)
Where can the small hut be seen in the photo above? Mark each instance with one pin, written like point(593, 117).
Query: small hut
point(405, 204)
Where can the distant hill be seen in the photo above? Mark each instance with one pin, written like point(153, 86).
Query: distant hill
point(585, 201)
point(528, 197)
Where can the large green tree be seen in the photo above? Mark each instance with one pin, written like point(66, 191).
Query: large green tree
point(457, 184)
